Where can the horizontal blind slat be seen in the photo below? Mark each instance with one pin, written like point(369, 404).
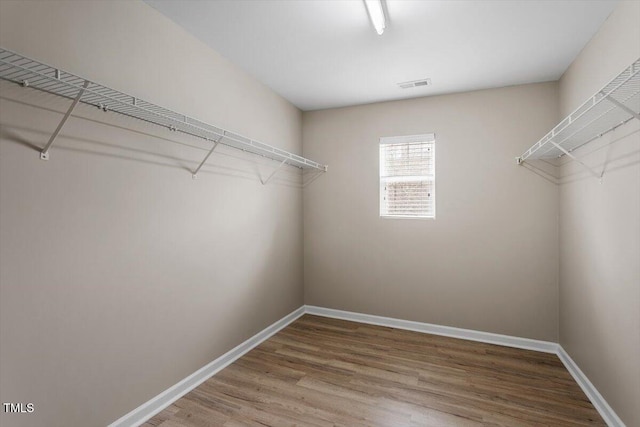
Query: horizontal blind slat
point(407, 179)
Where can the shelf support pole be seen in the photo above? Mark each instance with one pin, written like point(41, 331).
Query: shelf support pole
point(574, 158)
point(622, 106)
point(215, 144)
point(44, 154)
point(273, 173)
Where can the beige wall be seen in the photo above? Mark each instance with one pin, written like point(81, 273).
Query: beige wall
point(490, 259)
point(119, 274)
point(600, 228)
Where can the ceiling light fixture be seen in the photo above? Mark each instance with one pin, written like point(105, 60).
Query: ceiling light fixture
point(376, 14)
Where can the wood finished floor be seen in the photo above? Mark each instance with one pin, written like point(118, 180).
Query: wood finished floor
point(327, 372)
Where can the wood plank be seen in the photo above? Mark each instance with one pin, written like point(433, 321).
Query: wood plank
point(329, 372)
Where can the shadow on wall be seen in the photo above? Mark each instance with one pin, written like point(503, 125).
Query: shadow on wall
point(544, 169)
point(604, 149)
point(131, 246)
point(225, 161)
point(551, 170)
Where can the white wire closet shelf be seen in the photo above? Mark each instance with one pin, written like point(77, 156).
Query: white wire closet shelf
point(615, 104)
point(28, 72)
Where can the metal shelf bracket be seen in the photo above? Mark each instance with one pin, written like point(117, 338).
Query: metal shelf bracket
point(621, 106)
point(34, 74)
point(273, 173)
point(195, 173)
point(575, 159)
point(617, 103)
point(44, 154)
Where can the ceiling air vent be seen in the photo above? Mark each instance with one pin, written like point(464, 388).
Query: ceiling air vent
point(415, 83)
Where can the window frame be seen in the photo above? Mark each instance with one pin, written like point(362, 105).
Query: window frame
point(405, 139)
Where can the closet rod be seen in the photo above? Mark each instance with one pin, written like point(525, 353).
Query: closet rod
point(617, 103)
point(28, 72)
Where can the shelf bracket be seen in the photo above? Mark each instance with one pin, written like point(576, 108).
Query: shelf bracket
point(44, 154)
point(215, 144)
point(622, 106)
point(31, 73)
point(574, 158)
point(273, 173)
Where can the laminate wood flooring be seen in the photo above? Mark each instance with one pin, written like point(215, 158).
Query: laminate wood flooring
point(327, 372)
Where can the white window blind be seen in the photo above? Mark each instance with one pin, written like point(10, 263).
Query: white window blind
point(407, 176)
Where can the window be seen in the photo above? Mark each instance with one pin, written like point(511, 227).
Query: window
point(407, 176)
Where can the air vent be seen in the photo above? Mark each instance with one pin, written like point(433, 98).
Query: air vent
point(415, 83)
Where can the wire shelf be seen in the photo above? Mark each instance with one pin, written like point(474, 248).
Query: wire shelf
point(28, 72)
point(615, 104)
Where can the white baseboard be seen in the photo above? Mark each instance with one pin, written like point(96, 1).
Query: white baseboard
point(147, 410)
point(601, 405)
point(447, 331)
point(606, 412)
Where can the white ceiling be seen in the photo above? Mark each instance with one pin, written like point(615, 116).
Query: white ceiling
point(322, 54)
